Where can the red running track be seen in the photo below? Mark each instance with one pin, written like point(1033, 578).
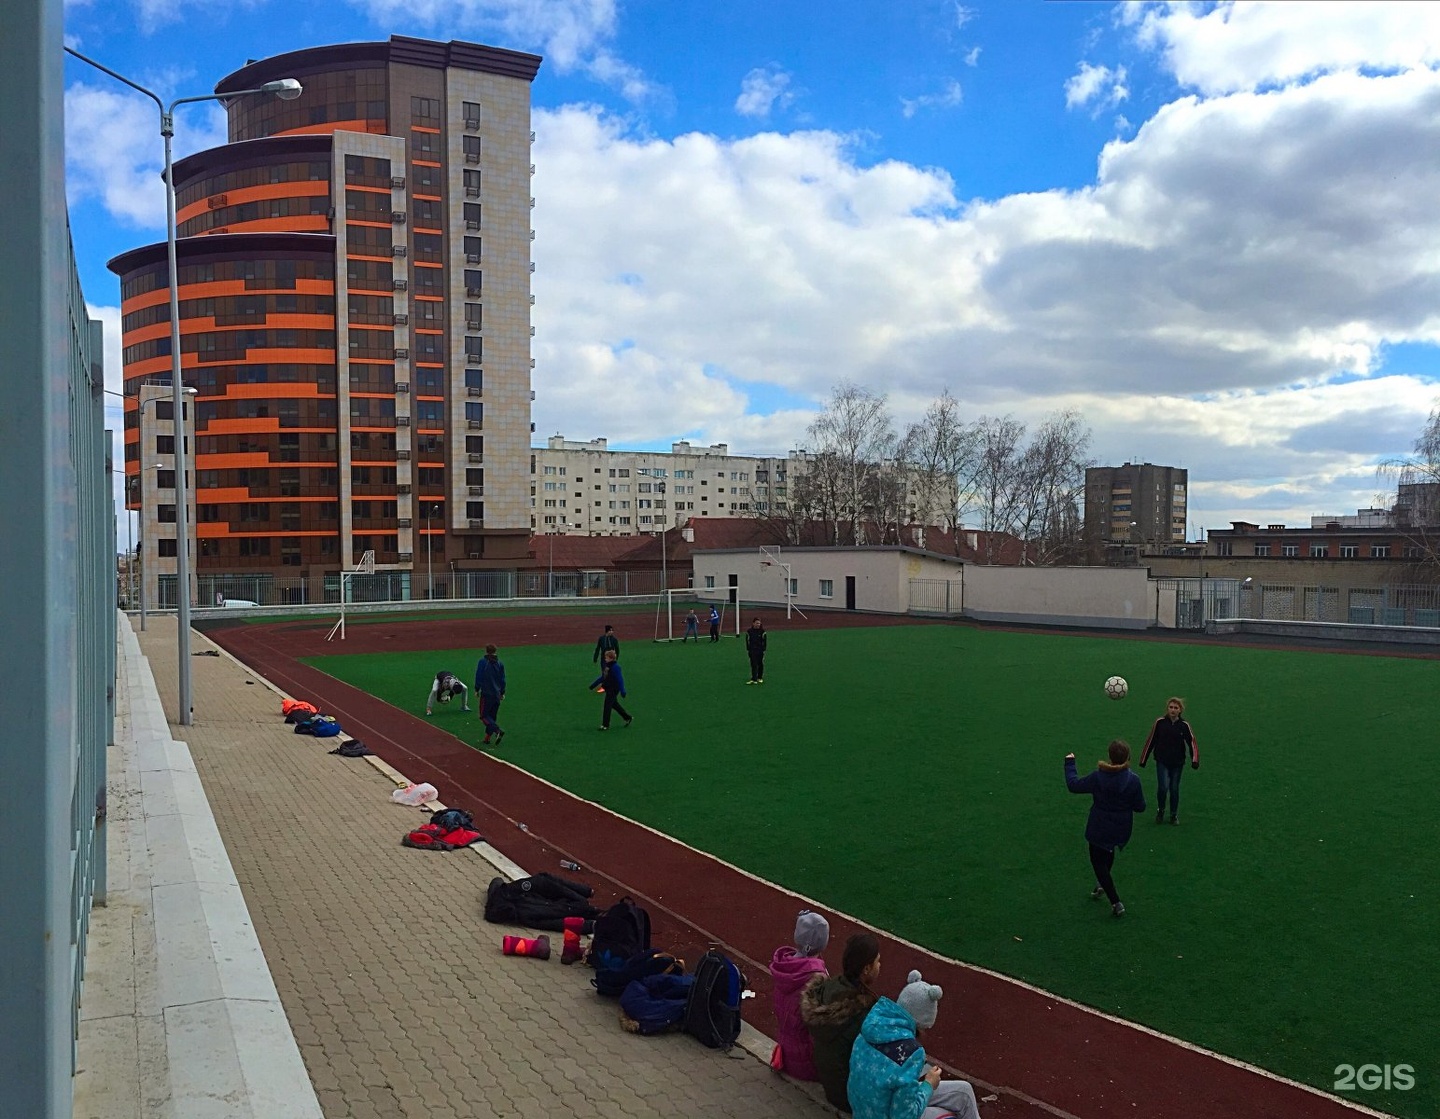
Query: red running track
point(1042, 1056)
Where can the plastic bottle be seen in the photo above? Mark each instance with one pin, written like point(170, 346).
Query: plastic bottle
point(568, 864)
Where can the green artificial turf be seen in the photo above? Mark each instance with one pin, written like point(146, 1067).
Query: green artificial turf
point(912, 776)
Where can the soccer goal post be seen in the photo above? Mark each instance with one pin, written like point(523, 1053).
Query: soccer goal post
point(671, 607)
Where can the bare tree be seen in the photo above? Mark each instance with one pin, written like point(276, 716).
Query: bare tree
point(941, 449)
point(1052, 481)
point(993, 483)
point(1415, 496)
point(856, 431)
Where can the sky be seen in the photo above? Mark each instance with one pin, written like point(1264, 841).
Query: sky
point(1208, 228)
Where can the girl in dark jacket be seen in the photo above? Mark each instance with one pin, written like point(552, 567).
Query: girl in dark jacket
point(833, 1011)
point(1117, 796)
point(1171, 739)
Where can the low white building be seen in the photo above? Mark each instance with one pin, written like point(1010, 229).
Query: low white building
point(899, 580)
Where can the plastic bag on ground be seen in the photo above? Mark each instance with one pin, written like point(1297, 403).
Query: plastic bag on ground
point(415, 794)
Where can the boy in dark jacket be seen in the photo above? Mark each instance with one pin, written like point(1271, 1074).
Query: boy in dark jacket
point(1171, 738)
point(612, 682)
point(755, 641)
point(607, 642)
point(833, 1011)
point(1117, 796)
point(490, 684)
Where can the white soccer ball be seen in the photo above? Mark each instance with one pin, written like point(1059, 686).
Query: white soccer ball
point(445, 695)
point(1116, 688)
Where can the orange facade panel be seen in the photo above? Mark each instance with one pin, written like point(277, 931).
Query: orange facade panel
point(213, 288)
point(243, 426)
point(207, 324)
point(295, 223)
point(304, 188)
point(279, 390)
point(373, 126)
point(224, 495)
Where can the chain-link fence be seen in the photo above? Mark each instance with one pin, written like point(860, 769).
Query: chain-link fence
point(407, 586)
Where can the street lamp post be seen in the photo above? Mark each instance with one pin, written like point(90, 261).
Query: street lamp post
point(287, 89)
point(664, 559)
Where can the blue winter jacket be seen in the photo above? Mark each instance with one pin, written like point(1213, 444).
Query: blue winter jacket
point(886, 1064)
point(1117, 797)
point(612, 679)
point(490, 678)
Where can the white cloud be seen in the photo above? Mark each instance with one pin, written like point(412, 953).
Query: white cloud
point(963, 15)
point(1097, 86)
point(1216, 299)
point(1231, 47)
point(114, 152)
point(571, 34)
point(972, 57)
point(949, 95)
point(763, 89)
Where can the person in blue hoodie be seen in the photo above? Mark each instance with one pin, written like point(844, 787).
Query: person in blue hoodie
point(612, 682)
point(1117, 797)
point(890, 1077)
point(490, 686)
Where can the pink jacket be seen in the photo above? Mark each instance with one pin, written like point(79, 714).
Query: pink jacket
point(791, 972)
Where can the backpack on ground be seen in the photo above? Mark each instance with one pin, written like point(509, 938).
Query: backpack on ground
point(450, 819)
point(712, 1016)
point(655, 1004)
point(621, 933)
point(612, 981)
point(321, 726)
point(541, 901)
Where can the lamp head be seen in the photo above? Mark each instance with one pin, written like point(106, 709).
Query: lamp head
point(287, 89)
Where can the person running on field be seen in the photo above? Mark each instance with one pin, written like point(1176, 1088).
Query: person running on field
point(490, 686)
point(1117, 797)
point(606, 643)
point(612, 682)
point(692, 627)
point(443, 689)
point(1171, 739)
point(755, 641)
point(714, 623)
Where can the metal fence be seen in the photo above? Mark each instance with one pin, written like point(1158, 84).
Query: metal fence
point(941, 597)
point(58, 567)
point(407, 586)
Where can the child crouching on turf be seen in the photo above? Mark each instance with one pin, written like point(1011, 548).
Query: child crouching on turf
point(446, 686)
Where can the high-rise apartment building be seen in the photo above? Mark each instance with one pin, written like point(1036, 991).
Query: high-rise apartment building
point(1135, 504)
point(354, 272)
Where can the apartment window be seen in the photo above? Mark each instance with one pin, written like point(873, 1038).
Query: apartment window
point(1224, 548)
point(165, 445)
point(1349, 551)
point(794, 586)
point(470, 110)
point(1380, 551)
point(165, 547)
point(1262, 549)
point(472, 316)
point(472, 279)
point(1319, 551)
point(709, 582)
point(471, 147)
point(1290, 550)
point(425, 108)
point(165, 514)
point(472, 250)
point(1412, 551)
point(472, 215)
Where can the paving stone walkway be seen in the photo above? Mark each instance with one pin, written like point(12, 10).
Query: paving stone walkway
point(399, 996)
